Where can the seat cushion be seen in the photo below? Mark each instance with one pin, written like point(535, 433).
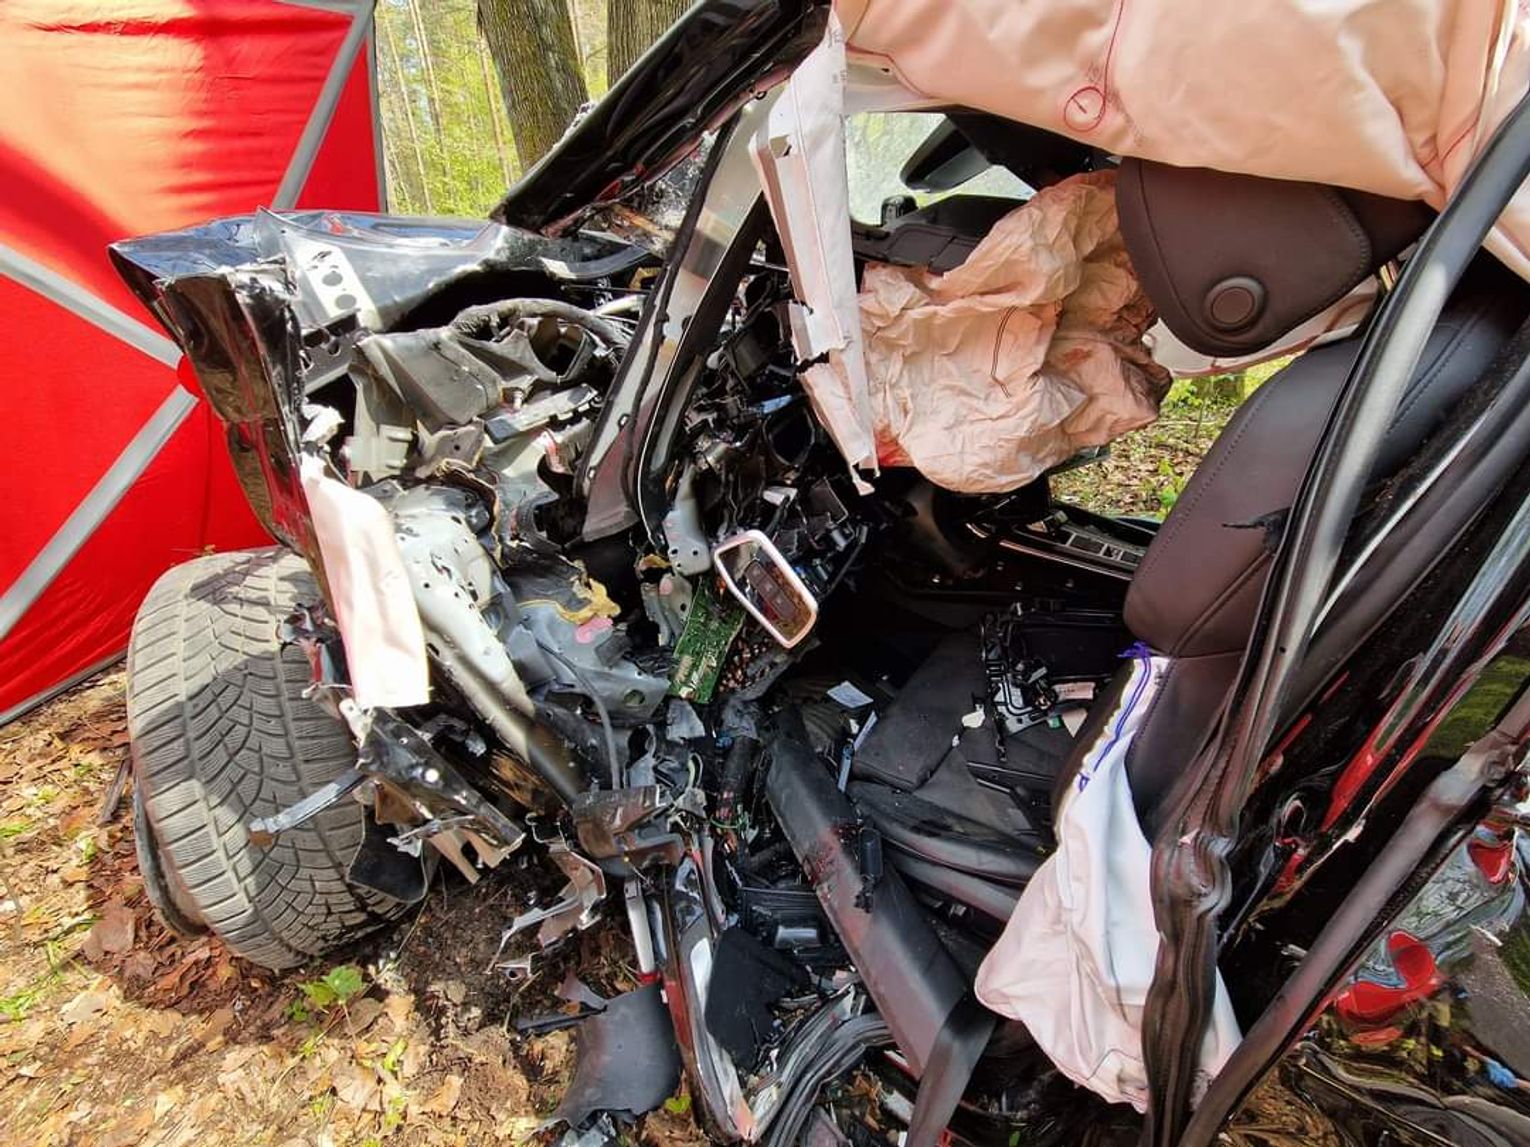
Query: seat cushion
point(943, 837)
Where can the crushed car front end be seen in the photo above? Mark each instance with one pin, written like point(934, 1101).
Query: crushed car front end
point(600, 576)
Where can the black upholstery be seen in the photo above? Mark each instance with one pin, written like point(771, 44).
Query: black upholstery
point(1196, 593)
point(944, 837)
point(938, 236)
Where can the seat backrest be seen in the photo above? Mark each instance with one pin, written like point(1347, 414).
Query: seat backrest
point(1196, 593)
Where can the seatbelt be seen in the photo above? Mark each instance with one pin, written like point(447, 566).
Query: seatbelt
point(958, 1046)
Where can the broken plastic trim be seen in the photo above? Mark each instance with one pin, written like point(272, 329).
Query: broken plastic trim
point(627, 1058)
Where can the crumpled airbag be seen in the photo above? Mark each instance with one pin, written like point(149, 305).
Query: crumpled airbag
point(1076, 960)
point(374, 606)
point(1391, 98)
point(986, 376)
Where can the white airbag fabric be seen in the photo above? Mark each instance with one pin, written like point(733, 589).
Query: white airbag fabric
point(1395, 98)
point(800, 155)
point(374, 606)
point(1075, 961)
point(993, 372)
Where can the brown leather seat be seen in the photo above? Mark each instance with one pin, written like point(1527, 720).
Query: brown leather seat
point(1196, 593)
point(1233, 262)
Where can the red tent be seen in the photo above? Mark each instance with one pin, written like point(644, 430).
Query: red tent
point(125, 117)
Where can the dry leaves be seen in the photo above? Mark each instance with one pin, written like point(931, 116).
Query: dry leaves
point(112, 934)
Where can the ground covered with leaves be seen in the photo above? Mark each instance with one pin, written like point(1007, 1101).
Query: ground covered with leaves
point(114, 1031)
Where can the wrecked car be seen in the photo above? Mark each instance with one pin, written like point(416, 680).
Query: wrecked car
point(690, 527)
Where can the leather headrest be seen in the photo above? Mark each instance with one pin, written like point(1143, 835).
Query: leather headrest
point(1233, 262)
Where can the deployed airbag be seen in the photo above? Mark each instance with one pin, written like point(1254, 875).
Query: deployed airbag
point(369, 588)
point(1395, 98)
point(1076, 960)
point(1031, 350)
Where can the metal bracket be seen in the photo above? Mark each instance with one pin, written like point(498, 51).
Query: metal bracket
point(396, 752)
point(263, 831)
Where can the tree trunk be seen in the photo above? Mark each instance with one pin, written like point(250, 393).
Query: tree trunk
point(631, 25)
point(494, 113)
point(532, 44)
point(433, 90)
point(414, 136)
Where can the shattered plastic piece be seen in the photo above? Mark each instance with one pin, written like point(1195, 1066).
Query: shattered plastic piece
point(601, 1133)
point(628, 1060)
point(449, 845)
point(576, 991)
point(383, 867)
point(551, 1021)
point(684, 724)
point(747, 978)
point(448, 837)
point(848, 696)
point(606, 820)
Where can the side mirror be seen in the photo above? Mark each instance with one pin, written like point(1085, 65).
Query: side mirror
point(765, 584)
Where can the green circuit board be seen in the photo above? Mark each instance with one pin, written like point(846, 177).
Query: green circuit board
point(713, 623)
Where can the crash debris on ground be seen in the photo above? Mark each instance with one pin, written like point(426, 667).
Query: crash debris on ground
point(114, 1031)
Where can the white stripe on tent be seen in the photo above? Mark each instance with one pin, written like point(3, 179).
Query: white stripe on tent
point(78, 301)
point(94, 508)
point(343, 7)
point(323, 112)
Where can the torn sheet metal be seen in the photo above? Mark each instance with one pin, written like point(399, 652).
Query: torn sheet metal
point(800, 155)
point(1076, 960)
point(988, 375)
point(369, 590)
point(577, 906)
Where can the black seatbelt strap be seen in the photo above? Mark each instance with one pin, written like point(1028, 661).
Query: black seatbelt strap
point(958, 1046)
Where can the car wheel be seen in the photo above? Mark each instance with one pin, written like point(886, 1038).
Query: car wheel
point(221, 734)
